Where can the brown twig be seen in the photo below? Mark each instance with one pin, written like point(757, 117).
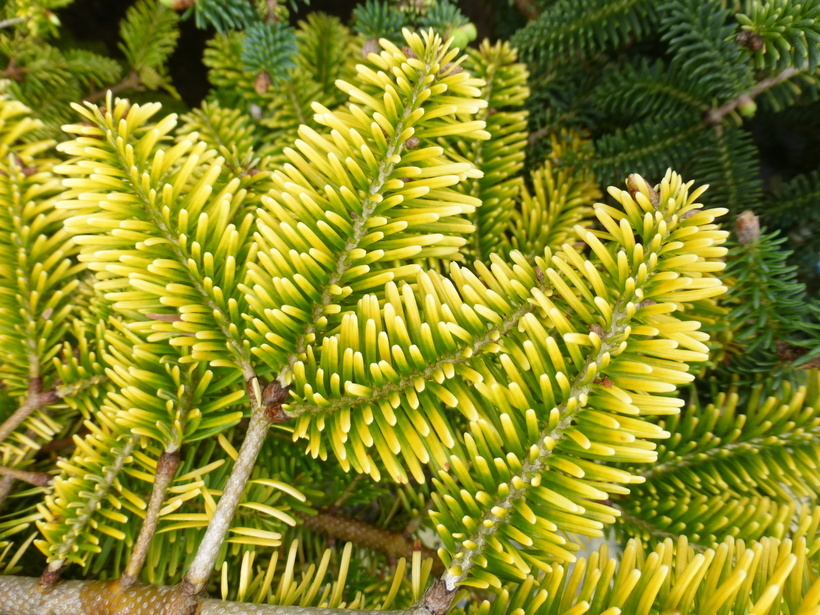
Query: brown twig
point(38, 479)
point(27, 596)
point(6, 23)
point(713, 117)
point(6, 483)
point(131, 82)
point(35, 400)
point(393, 544)
point(166, 470)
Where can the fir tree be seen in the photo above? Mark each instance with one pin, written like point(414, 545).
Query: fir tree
point(373, 329)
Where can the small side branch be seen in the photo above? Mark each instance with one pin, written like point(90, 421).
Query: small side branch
point(6, 483)
point(7, 23)
point(131, 82)
point(714, 117)
point(34, 402)
point(392, 544)
point(166, 470)
point(38, 479)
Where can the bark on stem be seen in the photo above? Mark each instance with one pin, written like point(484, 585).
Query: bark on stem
point(34, 401)
point(6, 23)
point(714, 117)
point(166, 470)
point(25, 596)
point(6, 483)
point(132, 81)
point(392, 544)
point(38, 479)
point(196, 578)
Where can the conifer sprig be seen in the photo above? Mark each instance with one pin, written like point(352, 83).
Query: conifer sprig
point(375, 190)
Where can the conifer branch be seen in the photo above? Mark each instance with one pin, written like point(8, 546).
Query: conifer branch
point(714, 117)
point(130, 82)
point(38, 479)
point(262, 417)
point(35, 400)
point(394, 147)
point(648, 529)
point(392, 544)
point(463, 355)
point(580, 388)
point(26, 596)
point(6, 483)
point(809, 436)
point(7, 23)
point(38, 399)
point(61, 550)
point(166, 470)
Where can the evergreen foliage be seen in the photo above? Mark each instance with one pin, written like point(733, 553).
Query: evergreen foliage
point(350, 336)
point(46, 77)
point(676, 83)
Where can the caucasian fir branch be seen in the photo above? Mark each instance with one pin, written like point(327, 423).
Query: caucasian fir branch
point(245, 352)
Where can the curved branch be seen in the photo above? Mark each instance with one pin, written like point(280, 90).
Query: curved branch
point(25, 596)
point(715, 116)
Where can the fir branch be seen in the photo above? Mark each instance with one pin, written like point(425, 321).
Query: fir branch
point(714, 117)
point(166, 470)
point(130, 82)
point(7, 23)
point(6, 483)
point(34, 401)
point(38, 479)
point(394, 147)
point(583, 26)
point(150, 210)
point(76, 523)
point(580, 388)
point(392, 544)
point(196, 578)
point(25, 596)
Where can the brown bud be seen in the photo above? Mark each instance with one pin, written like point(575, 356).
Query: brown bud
point(750, 39)
point(437, 599)
point(51, 575)
point(646, 303)
point(747, 227)
point(252, 172)
point(412, 143)
point(409, 53)
point(492, 111)
point(604, 381)
point(262, 82)
point(24, 168)
point(635, 184)
point(273, 396)
point(539, 275)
